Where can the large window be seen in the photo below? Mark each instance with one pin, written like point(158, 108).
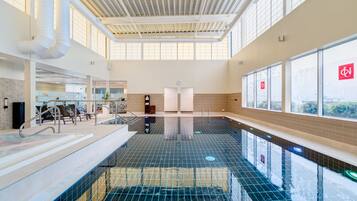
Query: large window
point(339, 81)
point(185, 51)
point(133, 51)
point(101, 44)
point(321, 83)
point(168, 51)
point(172, 51)
point(276, 87)
point(277, 10)
point(259, 16)
point(304, 84)
point(79, 28)
point(203, 51)
point(118, 51)
point(250, 25)
point(220, 50)
point(263, 16)
point(262, 89)
point(151, 51)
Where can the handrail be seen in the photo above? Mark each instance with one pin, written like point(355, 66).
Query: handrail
point(116, 101)
point(40, 131)
point(40, 114)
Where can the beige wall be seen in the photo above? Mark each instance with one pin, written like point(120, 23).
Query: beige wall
point(339, 130)
point(136, 102)
point(201, 102)
point(49, 87)
point(153, 76)
point(312, 25)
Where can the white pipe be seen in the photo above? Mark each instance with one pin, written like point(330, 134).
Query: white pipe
point(93, 19)
point(44, 30)
point(63, 41)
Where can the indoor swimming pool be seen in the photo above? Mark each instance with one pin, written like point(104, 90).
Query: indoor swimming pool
point(213, 158)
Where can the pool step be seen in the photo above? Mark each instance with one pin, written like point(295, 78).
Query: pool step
point(25, 157)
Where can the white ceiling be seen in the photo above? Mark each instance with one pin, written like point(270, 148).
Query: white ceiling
point(167, 19)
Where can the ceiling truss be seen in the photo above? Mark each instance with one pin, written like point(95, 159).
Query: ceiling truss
point(162, 19)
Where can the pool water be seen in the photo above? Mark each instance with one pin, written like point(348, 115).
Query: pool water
point(213, 158)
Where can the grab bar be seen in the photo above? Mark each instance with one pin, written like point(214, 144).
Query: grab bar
point(38, 132)
point(57, 111)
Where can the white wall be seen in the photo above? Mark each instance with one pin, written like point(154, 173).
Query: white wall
point(11, 70)
point(15, 27)
point(312, 25)
point(154, 76)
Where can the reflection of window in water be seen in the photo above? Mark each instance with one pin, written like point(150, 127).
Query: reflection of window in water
point(303, 179)
point(169, 177)
point(262, 155)
point(251, 149)
point(276, 165)
point(336, 187)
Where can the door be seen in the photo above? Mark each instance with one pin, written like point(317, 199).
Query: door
point(170, 100)
point(186, 100)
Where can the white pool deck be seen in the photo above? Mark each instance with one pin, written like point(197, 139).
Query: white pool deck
point(60, 163)
point(59, 170)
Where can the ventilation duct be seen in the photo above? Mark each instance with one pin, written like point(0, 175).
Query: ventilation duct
point(63, 41)
point(44, 30)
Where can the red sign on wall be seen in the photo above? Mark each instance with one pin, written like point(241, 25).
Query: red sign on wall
point(346, 72)
point(262, 84)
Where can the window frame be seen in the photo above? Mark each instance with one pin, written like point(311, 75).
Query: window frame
point(318, 78)
point(268, 84)
point(286, 76)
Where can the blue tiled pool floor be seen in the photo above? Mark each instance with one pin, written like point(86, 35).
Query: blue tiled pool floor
point(212, 159)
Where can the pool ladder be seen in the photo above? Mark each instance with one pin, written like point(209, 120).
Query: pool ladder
point(57, 116)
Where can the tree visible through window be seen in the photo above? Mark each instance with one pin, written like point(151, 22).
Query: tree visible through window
point(339, 81)
point(304, 84)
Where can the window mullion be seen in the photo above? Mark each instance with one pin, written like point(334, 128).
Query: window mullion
point(286, 82)
point(320, 83)
point(269, 87)
point(255, 90)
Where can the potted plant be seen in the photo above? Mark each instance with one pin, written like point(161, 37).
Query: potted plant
point(106, 105)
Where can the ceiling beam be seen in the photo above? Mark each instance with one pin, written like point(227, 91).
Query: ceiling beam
point(168, 19)
point(128, 16)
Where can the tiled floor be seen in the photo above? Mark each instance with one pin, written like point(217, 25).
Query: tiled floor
point(212, 159)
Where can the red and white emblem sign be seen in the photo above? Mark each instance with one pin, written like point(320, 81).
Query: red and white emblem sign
point(346, 72)
point(262, 84)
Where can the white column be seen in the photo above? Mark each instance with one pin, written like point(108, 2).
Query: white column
point(30, 91)
point(90, 93)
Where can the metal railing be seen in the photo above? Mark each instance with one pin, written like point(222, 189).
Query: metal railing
point(76, 103)
point(56, 111)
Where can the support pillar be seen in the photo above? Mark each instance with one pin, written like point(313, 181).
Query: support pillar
point(90, 93)
point(30, 91)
